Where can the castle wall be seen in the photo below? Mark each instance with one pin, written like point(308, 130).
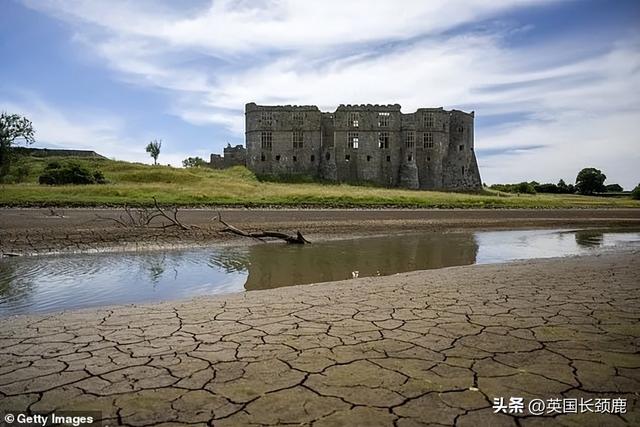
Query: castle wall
point(429, 149)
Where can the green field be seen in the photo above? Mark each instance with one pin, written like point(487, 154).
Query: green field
point(136, 184)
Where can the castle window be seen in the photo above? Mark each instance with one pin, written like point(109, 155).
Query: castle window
point(460, 147)
point(263, 158)
point(460, 129)
point(297, 138)
point(428, 159)
point(428, 140)
point(278, 158)
point(463, 170)
point(409, 158)
point(368, 158)
point(354, 119)
point(328, 156)
point(347, 157)
point(411, 139)
point(313, 158)
point(353, 139)
point(267, 118)
point(428, 120)
point(295, 159)
point(297, 118)
point(388, 158)
point(383, 139)
point(266, 140)
point(383, 119)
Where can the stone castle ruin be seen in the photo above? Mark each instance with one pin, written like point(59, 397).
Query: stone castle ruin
point(429, 149)
point(233, 156)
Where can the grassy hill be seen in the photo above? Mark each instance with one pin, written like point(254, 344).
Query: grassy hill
point(136, 184)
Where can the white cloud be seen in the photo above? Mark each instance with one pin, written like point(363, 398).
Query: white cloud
point(216, 58)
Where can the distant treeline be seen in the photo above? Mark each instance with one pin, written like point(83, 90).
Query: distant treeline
point(534, 187)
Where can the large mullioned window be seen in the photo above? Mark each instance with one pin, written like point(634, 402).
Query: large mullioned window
point(383, 119)
point(383, 139)
point(411, 139)
point(267, 118)
point(353, 139)
point(428, 120)
point(266, 140)
point(428, 140)
point(354, 119)
point(297, 139)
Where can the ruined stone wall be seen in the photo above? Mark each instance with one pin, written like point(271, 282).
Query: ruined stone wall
point(429, 149)
point(270, 139)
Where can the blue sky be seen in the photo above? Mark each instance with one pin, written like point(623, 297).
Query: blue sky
point(555, 84)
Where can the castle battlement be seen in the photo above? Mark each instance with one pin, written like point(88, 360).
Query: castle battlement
point(431, 148)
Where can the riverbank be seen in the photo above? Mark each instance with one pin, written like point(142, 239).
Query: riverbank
point(422, 347)
point(39, 230)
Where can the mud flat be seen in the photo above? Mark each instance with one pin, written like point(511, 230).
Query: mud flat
point(422, 348)
point(32, 231)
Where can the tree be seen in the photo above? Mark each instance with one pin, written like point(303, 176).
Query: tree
point(613, 188)
point(13, 128)
point(193, 162)
point(635, 193)
point(590, 180)
point(153, 148)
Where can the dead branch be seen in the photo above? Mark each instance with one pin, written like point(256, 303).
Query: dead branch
point(298, 239)
point(144, 217)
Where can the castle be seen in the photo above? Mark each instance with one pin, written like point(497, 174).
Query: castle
point(429, 149)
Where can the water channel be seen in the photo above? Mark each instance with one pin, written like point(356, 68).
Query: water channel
point(60, 282)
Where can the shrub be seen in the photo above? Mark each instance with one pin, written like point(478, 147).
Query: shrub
point(635, 193)
point(525, 188)
point(60, 173)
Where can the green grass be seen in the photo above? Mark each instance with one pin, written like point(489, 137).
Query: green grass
point(136, 184)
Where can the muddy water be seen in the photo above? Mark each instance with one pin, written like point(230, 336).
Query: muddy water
point(53, 283)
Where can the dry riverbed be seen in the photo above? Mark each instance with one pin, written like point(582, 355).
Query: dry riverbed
point(33, 231)
point(422, 348)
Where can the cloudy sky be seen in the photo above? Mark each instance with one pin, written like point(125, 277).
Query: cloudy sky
point(555, 84)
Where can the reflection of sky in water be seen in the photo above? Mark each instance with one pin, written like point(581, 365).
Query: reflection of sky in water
point(50, 283)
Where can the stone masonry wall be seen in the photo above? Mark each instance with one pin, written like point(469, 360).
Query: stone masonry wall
point(429, 149)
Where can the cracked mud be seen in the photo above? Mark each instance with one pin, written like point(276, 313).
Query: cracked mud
point(421, 348)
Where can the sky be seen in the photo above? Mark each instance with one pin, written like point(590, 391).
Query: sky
point(555, 84)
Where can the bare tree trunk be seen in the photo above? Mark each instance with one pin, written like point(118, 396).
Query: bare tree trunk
point(298, 239)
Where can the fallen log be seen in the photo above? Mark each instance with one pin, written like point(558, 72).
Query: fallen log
point(298, 239)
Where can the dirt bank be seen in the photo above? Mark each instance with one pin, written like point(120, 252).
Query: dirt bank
point(31, 231)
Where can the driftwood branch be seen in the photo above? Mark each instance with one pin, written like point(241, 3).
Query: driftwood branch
point(143, 218)
point(298, 239)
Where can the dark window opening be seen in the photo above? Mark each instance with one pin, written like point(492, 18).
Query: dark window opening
point(278, 158)
point(428, 159)
point(295, 159)
point(347, 157)
point(328, 156)
point(263, 158)
point(313, 158)
point(383, 139)
point(409, 158)
point(463, 170)
point(388, 158)
point(461, 147)
point(368, 158)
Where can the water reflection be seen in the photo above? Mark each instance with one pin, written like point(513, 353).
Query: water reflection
point(50, 283)
point(297, 264)
point(589, 238)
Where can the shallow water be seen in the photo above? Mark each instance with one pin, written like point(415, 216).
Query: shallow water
point(60, 282)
